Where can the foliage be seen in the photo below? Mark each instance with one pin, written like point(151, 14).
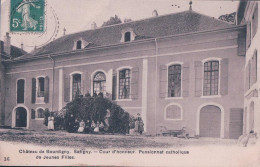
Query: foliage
point(93, 109)
point(112, 20)
point(230, 18)
point(127, 20)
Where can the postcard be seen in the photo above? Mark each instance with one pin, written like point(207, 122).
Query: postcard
point(129, 83)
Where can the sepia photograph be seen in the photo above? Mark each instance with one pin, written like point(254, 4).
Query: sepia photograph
point(129, 83)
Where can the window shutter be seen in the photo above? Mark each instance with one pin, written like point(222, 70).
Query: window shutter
point(255, 21)
point(66, 88)
point(254, 69)
point(163, 81)
point(87, 83)
point(46, 89)
point(224, 76)
point(109, 83)
point(83, 84)
point(185, 80)
point(32, 114)
point(247, 77)
point(114, 87)
point(248, 35)
point(134, 83)
point(33, 90)
point(198, 78)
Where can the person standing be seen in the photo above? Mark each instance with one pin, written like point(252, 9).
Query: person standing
point(51, 122)
point(139, 124)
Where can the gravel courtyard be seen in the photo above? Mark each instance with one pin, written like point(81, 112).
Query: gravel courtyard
point(104, 141)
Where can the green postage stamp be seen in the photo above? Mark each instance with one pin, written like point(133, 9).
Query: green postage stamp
point(27, 16)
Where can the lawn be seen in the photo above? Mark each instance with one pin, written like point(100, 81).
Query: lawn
point(101, 141)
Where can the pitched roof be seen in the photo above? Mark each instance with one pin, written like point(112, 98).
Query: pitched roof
point(160, 26)
point(15, 51)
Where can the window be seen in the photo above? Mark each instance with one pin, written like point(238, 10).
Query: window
point(76, 85)
point(174, 81)
point(40, 91)
point(20, 91)
point(40, 113)
point(124, 84)
point(255, 21)
point(211, 78)
point(99, 83)
point(173, 112)
point(79, 44)
point(127, 36)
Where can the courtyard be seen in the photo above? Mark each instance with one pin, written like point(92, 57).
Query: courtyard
point(104, 141)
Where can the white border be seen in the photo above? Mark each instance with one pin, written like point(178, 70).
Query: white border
point(173, 104)
point(14, 115)
point(222, 117)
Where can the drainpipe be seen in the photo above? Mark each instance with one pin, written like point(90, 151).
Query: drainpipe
point(52, 81)
point(156, 81)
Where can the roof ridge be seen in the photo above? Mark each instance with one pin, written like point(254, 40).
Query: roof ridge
point(113, 25)
point(212, 18)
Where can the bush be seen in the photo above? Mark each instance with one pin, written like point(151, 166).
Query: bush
point(94, 108)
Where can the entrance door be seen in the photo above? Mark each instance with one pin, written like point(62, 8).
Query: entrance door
point(210, 121)
point(21, 117)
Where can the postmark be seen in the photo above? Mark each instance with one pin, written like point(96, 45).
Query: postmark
point(27, 16)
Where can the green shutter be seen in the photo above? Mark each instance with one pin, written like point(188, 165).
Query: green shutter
point(224, 76)
point(163, 81)
point(32, 114)
point(33, 90)
point(66, 88)
point(185, 79)
point(46, 89)
point(114, 87)
point(198, 78)
point(134, 83)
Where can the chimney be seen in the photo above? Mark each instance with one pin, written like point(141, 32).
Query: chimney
point(7, 44)
point(64, 31)
point(155, 13)
point(22, 45)
point(93, 26)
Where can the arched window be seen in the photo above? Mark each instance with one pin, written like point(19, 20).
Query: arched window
point(99, 83)
point(79, 44)
point(124, 84)
point(40, 113)
point(76, 85)
point(173, 112)
point(174, 80)
point(20, 90)
point(127, 36)
point(40, 92)
point(211, 78)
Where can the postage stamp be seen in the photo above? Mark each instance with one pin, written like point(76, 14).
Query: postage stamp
point(27, 16)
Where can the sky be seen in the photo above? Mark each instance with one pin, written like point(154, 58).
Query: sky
point(77, 15)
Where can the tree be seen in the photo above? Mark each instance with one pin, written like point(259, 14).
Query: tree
point(127, 20)
point(230, 18)
point(112, 20)
point(95, 109)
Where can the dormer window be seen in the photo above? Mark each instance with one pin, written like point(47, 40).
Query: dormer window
point(127, 36)
point(79, 44)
